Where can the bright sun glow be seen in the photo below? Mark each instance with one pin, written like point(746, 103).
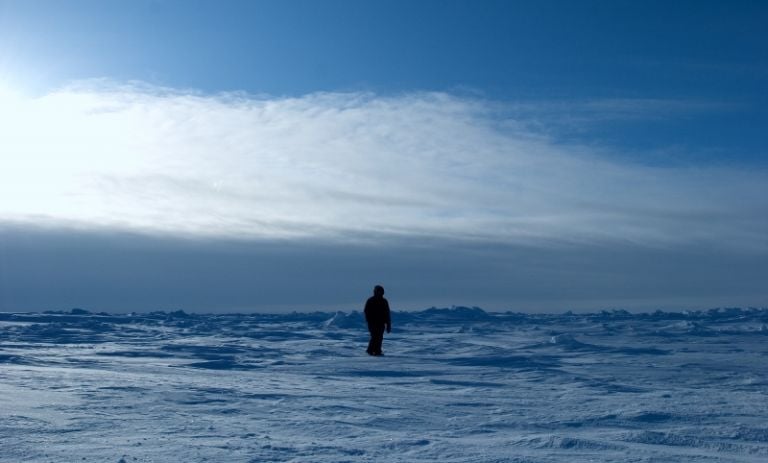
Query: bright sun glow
point(10, 99)
point(13, 106)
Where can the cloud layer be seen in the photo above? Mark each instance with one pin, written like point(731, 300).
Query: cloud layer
point(347, 165)
point(59, 269)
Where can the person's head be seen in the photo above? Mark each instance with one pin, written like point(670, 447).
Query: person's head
point(378, 290)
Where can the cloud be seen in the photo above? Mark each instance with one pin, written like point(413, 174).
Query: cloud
point(564, 119)
point(356, 166)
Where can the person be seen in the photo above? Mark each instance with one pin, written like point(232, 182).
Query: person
point(378, 319)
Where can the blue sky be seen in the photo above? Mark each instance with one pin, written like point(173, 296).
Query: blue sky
point(479, 153)
point(707, 54)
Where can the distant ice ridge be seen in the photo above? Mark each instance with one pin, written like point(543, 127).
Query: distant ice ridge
point(466, 313)
point(78, 325)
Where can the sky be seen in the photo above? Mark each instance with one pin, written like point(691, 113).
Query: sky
point(271, 156)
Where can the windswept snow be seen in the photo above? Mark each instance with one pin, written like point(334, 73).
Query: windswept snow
point(455, 385)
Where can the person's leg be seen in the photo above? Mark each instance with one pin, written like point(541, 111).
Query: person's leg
point(377, 337)
point(371, 342)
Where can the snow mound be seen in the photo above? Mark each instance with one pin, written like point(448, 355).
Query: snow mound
point(695, 441)
point(570, 443)
point(568, 341)
point(564, 339)
point(345, 321)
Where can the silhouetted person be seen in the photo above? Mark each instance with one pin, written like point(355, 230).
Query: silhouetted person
point(377, 316)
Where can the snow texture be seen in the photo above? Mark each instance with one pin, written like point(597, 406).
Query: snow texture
point(455, 385)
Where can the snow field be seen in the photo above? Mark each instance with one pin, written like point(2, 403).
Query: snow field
point(455, 385)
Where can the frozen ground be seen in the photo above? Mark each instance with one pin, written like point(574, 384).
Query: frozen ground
point(455, 386)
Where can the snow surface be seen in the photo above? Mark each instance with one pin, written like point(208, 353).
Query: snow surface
point(455, 385)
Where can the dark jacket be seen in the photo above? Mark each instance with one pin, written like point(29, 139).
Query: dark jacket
point(377, 312)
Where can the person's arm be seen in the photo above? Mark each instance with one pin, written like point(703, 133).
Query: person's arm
point(389, 319)
point(367, 311)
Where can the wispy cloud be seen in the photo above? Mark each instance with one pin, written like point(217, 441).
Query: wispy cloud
point(575, 119)
point(360, 165)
